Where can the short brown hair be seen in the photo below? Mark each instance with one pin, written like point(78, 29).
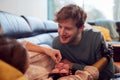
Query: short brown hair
point(73, 12)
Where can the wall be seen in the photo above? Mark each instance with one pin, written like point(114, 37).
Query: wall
point(34, 8)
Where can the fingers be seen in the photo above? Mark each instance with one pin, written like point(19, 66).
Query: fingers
point(57, 56)
point(84, 75)
point(57, 59)
point(90, 77)
point(93, 71)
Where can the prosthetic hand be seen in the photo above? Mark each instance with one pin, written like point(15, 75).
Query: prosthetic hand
point(107, 51)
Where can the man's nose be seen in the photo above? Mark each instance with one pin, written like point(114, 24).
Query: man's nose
point(62, 31)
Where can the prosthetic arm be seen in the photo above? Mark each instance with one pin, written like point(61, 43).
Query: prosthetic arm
point(107, 55)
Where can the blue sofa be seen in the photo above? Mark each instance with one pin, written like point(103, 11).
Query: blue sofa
point(28, 28)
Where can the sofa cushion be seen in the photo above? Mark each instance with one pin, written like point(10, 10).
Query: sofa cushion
point(50, 26)
point(43, 32)
point(13, 25)
point(45, 38)
point(111, 25)
point(36, 25)
point(104, 31)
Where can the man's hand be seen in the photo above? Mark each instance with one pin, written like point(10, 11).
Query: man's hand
point(54, 54)
point(93, 71)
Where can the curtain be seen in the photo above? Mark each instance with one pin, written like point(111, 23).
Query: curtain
point(55, 5)
point(116, 9)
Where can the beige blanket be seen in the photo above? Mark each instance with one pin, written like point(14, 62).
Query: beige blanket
point(40, 66)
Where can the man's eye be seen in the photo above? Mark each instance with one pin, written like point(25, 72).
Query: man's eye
point(68, 28)
point(60, 26)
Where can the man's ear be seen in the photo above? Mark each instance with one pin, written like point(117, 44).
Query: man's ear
point(81, 28)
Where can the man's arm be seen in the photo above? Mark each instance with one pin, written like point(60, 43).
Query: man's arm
point(100, 64)
point(53, 53)
point(33, 47)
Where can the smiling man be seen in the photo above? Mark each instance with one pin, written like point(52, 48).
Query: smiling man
point(80, 48)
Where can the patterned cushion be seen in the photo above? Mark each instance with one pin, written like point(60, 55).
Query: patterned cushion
point(105, 32)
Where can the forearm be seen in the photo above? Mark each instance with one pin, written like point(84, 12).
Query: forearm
point(108, 71)
point(101, 63)
point(33, 47)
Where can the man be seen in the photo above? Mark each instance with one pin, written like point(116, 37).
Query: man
point(80, 47)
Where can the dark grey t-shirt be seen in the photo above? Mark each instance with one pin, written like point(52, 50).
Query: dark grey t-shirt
point(87, 52)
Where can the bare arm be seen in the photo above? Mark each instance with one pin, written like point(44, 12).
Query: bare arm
point(53, 53)
point(33, 47)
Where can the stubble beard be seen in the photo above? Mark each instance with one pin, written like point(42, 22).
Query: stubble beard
point(76, 39)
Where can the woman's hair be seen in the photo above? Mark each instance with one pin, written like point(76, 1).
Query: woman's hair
point(73, 12)
point(14, 53)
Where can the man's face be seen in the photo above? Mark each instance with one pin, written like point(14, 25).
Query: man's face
point(68, 32)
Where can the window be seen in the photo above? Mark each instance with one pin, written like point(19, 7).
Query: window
point(96, 9)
